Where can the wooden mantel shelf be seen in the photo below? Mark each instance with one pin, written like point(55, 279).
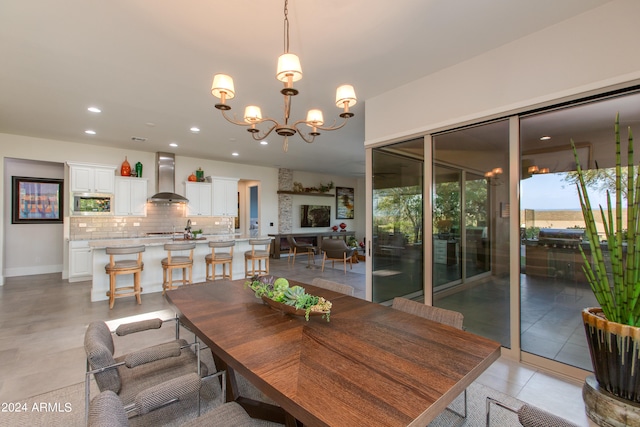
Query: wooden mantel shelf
point(305, 193)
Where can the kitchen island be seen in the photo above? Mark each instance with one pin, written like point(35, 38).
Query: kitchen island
point(151, 277)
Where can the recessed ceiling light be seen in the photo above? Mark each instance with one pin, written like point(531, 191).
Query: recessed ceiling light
point(235, 154)
point(545, 138)
point(94, 110)
point(150, 124)
point(264, 143)
point(173, 144)
point(90, 132)
point(195, 129)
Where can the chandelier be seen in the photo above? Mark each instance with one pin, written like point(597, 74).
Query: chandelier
point(288, 71)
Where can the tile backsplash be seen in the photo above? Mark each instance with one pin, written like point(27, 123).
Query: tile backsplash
point(160, 218)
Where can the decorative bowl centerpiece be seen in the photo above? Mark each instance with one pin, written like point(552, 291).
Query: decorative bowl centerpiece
point(277, 293)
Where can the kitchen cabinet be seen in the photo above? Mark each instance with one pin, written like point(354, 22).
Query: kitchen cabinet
point(130, 196)
point(80, 261)
point(225, 196)
point(199, 195)
point(90, 178)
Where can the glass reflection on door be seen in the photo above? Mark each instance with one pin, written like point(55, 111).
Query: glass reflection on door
point(446, 225)
point(397, 268)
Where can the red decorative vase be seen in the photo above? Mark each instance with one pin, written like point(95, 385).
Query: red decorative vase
point(343, 225)
point(334, 228)
point(125, 169)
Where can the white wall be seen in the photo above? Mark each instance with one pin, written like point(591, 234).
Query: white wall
point(594, 50)
point(34, 248)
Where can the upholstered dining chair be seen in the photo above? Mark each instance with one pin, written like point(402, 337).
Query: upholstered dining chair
point(333, 286)
point(296, 247)
point(177, 261)
point(337, 250)
point(223, 257)
point(146, 378)
point(529, 415)
point(118, 266)
point(106, 410)
point(437, 314)
point(259, 252)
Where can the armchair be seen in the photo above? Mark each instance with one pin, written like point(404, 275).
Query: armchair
point(337, 250)
point(529, 415)
point(106, 410)
point(146, 379)
point(295, 248)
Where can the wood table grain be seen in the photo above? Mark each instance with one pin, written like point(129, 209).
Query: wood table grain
point(370, 365)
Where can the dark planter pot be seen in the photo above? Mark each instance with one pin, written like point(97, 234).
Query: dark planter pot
point(615, 354)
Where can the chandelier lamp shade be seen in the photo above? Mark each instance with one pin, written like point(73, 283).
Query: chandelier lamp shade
point(289, 71)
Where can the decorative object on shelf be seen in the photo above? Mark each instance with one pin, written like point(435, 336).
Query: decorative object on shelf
point(344, 203)
point(288, 71)
point(139, 169)
point(289, 300)
point(192, 178)
point(613, 330)
point(334, 228)
point(343, 226)
point(125, 169)
point(200, 175)
point(353, 242)
point(298, 187)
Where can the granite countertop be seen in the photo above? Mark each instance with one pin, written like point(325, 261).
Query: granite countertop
point(161, 240)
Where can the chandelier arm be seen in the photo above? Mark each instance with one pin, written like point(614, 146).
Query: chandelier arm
point(333, 127)
point(234, 120)
point(307, 138)
point(260, 136)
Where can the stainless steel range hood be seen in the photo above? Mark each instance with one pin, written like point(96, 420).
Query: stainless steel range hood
point(166, 180)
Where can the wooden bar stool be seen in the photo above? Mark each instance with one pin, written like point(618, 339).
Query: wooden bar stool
point(171, 262)
point(124, 266)
point(257, 255)
point(222, 258)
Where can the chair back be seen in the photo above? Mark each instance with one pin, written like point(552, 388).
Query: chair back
point(174, 247)
point(531, 416)
point(437, 314)
point(222, 244)
point(336, 248)
point(125, 250)
point(333, 286)
point(98, 345)
point(260, 242)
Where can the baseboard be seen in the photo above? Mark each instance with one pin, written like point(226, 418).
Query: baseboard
point(32, 270)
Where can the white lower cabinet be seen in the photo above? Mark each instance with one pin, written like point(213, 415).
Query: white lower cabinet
point(80, 261)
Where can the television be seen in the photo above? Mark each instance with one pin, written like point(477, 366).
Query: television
point(315, 216)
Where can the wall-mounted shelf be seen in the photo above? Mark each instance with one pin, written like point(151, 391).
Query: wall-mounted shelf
point(304, 193)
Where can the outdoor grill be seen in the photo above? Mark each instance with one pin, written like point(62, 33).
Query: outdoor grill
point(560, 237)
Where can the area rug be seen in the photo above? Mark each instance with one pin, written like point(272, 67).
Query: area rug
point(65, 407)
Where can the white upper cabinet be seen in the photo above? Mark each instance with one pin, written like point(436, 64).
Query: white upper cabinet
point(225, 196)
point(199, 195)
point(131, 196)
point(88, 178)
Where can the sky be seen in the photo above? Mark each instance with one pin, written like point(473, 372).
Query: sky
point(550, 191)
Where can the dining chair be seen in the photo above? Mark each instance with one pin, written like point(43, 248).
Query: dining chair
point(223, 258)
point(333, 286)
point(437, 314)
point(173, 261)
point(257, 254)
point(304, 248)
point(106, 410)
point(118, 266)
point(337, 250)
point(147, 378)
point(529, 415)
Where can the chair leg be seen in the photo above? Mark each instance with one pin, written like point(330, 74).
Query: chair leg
point(136, 286)
point(190, 275)
point(295, 250)
point(230, 270)
point(324, 257)
point(112, 290)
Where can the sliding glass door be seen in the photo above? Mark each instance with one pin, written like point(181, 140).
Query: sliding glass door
point(397, 259)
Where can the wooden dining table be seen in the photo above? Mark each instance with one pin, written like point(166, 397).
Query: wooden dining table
point(369, 365)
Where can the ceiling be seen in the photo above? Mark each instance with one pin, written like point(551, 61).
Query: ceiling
point(148, 66)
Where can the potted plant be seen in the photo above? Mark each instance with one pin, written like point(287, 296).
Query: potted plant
point(613, 332)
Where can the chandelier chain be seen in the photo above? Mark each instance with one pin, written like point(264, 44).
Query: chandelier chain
point(286, 26)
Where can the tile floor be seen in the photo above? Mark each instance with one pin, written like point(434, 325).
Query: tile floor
point(43, 319)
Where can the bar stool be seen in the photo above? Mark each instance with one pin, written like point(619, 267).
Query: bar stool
point(222, 258)
point(124, 266)
point(257, 255)
point(170, 263)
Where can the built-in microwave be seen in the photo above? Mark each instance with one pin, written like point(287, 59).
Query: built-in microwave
point(92, 204)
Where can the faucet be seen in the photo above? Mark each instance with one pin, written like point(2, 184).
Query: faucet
point(187, 235)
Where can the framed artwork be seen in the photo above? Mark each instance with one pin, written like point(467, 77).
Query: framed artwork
point(36, 200)
point(344, 203)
